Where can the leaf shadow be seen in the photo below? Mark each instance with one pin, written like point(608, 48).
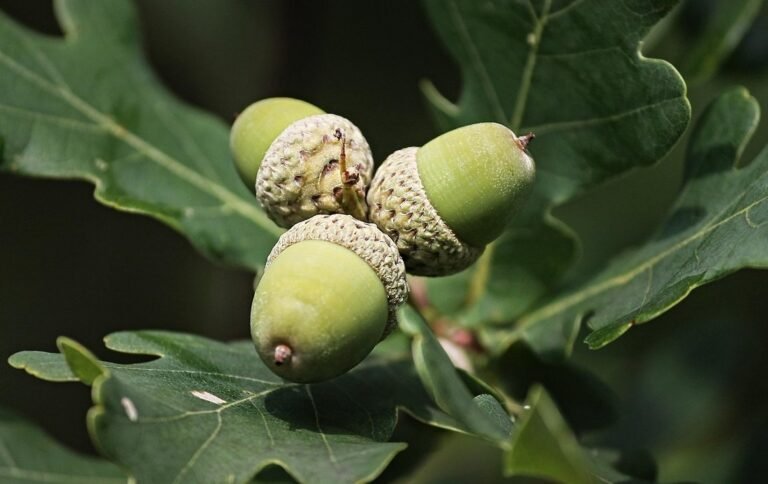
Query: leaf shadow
point(336, 407)
point(710, 161)
point(586, 402)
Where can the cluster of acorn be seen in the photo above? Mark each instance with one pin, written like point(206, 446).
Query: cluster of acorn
point(335, 278)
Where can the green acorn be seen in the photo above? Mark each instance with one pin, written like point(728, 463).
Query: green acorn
point(300, 161)
point(444, 202)
point(327, 297)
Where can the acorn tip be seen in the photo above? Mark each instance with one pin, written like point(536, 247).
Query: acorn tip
point(283, 354)
point(525, 139)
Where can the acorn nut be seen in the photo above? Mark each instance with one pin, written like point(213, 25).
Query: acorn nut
point(442, 203)
point(300, 161)
point(327, 297)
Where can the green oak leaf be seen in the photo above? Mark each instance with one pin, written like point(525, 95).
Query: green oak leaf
point(87, 106)
point(445, 383)
point(28, 455)
point(205, 411)
point(719, 224)
point(545, 446)
point(571, 72)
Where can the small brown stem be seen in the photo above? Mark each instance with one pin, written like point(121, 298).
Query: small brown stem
point(525, 139)
point(349, 198)
point(283, 354)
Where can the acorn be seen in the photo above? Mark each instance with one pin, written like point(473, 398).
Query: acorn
point(444, 202)
point(328, 295)
point(300, 161)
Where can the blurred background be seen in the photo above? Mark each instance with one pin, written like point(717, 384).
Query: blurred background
point(690, 387)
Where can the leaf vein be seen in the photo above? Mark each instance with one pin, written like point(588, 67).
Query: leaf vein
point(575, 298)
point(327, 444)
point(51, 118)
point(530, 66)
point(266, 425)
point(585, 123)
point(200, 450)
point(44, 62)
point(219, 410)
point(357, 404)
point(580, 53)
point(196, 372)
point(565, 9)
point(153, 153)
point(188, 143)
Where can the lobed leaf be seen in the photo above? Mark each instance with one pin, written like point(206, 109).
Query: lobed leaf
point(28, 455)
point(205, 411)
point(87, 106)
point(571, 72)
point(718, 224)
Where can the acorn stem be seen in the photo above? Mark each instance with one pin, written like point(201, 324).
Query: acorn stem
point(525, 139)
point(349, 199)
point(283, 354)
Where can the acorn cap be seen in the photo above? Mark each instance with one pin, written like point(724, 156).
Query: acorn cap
point(321, 164)
point(257, 127)
point(365, 240)
point(399, 206)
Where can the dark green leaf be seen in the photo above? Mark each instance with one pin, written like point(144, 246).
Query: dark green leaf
point(571, 72)
point(728, 22)
point(88, 106)
point(491, 406)
point(544, 446)
point(719, 224)
point(212, 412)
point(28, 455)
point(442, 380)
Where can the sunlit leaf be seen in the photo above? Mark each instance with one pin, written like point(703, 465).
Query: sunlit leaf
point(87, 106)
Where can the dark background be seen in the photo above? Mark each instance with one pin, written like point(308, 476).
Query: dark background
point(690, 386)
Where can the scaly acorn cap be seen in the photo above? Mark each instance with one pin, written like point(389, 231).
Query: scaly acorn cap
point(320, 164)
point(401, 209)
point(444, 202)
point(329, 293)
point(365, 240)
point(257, 127)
